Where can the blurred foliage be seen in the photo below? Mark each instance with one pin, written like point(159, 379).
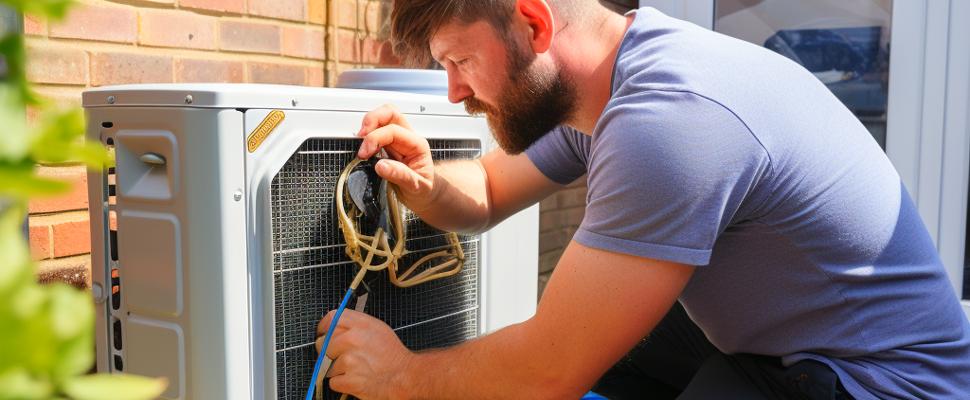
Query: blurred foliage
point(46, 332)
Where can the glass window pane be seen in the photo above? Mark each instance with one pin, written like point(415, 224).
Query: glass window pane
point(845, 43)
point(966, 255)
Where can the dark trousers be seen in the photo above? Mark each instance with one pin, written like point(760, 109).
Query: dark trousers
point(676, 361)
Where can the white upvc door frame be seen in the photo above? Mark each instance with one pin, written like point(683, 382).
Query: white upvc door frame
point(928, 128)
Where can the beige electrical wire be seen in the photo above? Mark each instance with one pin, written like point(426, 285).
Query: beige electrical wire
point(362, 249)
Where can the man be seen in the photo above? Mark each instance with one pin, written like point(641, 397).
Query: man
point(721, 176)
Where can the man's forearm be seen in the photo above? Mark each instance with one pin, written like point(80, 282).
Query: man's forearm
point(504, 364)
point(460, 201)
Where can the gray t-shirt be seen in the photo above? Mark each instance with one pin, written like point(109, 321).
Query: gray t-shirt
point(721, 154)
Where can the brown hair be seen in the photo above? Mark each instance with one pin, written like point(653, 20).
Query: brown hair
point(415, 22)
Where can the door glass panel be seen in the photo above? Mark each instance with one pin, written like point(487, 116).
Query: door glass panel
point(966, 254)
point(845, 43)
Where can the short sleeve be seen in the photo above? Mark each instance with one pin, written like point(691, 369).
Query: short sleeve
point(668, 173)
point(561, 154)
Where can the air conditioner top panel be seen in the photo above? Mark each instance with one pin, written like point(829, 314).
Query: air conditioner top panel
point(228, 95)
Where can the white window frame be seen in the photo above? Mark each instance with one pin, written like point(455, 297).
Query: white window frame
point(928, 128)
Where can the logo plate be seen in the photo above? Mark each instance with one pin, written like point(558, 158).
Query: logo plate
point(264, 129)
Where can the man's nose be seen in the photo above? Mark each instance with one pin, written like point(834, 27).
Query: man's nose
point(458, 91)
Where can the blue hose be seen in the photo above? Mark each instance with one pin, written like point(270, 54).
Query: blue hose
point(326, 342)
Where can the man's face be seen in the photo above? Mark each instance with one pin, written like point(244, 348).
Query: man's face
point(501, 77)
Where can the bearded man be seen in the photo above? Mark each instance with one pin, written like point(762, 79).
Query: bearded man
point(744, 236)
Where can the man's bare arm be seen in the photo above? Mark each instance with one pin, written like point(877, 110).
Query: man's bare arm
point(596, 307)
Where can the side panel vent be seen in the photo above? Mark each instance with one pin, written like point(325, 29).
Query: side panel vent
point(110, 192)
point(311, 272)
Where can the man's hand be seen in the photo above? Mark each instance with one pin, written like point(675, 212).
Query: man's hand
point(410, 166)
point(368, 356)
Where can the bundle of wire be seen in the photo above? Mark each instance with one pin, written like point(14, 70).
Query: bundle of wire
point(372, 198)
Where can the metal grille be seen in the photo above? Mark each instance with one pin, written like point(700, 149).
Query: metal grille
point(311, 272)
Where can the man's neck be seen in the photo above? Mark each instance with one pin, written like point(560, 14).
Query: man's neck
point(588, 58)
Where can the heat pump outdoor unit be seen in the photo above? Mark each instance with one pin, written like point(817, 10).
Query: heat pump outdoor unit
point(215, 247)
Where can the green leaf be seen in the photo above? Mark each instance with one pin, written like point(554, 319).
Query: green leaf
point(59, 139)
point(14, 143)
point(71, 321)
point(12, 49)
point(14, 256)
point(18, 384)
point(22, 184)
point(117, 387)
point(55, 9)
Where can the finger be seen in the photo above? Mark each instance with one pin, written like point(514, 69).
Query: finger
point(381, 116)
point(339, 367)
point(341, 345)
point(394, 137)
point(346, 383)
point(324, 324)
point(348, 319)
point(401, 175)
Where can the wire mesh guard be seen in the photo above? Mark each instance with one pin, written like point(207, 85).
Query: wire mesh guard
point(311, 272)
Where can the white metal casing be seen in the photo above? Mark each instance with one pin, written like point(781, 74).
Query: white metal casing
point(199, 310)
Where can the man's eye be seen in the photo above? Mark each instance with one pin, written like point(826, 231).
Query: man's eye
point(462, 61)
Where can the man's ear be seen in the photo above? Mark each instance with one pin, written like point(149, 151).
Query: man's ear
point(538, 16)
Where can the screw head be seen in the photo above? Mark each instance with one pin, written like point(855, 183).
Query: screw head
point(188, 99)
point(97, 292)
point(111, 99)
point(237, 195)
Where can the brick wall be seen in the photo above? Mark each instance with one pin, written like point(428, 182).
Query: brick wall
point(101, 42)
point(559, 216)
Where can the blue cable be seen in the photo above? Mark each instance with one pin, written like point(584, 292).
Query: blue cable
point(326, 342)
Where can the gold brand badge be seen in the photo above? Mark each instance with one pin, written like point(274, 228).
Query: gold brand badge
point(265, 128)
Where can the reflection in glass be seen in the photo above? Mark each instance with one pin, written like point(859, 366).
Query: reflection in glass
point(845, 43)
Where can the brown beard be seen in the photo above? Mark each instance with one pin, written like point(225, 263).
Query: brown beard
point(530, 104)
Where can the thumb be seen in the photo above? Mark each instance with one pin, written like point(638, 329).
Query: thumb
point(401, 175)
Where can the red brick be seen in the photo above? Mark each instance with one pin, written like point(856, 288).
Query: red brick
point(372, 16)
point(277, 73)
point(72, 237)
point(119, 68)
point(317, 11)
point(40, 241)
point(572, 197)
point(60, 65)
point(347, 16)
point(293, 10)
point(372, 51)
point(90, 22)
point(165, 28)
point(314, 76)
point(386, 57)
point(347, 46)
point(249, 37)
point(303, 43)
point(195, 70)
point(229, 6)
point(34, 26)
point(548, 261)
point(76, 199)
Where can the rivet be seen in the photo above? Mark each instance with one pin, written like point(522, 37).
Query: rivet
point(188, 99)
point(237, 196)
point(111, 99)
